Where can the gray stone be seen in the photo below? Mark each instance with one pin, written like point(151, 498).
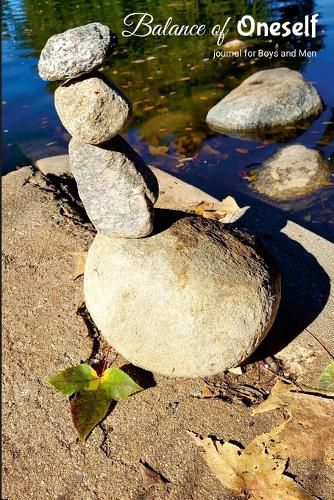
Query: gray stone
point(193, 299)
point(92, 109)
point(292, 172)
point(75, 52)
point(268, 99)
point(116, 187)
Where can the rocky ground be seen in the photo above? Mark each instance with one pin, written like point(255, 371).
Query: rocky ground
point(142, 450)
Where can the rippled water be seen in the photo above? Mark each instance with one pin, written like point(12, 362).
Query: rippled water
point(172, 83)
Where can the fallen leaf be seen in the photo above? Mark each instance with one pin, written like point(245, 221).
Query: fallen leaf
point(249, 177)
point(73, 379)
point(276, 398)
point(242, 151)
point(256, 472)
point(93, 393)
point(80, 263)
point(209, 150)
point(236, 371)
point(150, 476)
point(88, 409)
point(275, 175)
point(326, 380)
point(308, 434)
point(226, 211)
point(158, 150)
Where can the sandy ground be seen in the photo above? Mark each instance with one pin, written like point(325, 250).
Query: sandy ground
point(46, 330)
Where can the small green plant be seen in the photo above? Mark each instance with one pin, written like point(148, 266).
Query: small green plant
point(92, 394)
point(326, 380)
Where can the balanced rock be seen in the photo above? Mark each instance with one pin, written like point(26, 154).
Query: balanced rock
point(292, 172)
point(193, 299)
point(268, 99)
point(75, 52)
point(92, 109)
point(116, 187)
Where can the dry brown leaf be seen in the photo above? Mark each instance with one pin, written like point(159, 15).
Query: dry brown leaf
point(250, 178)
point(150, 476)
point(209, 150)
point(256, 471)
point(242, 151)
point(309, 433)
point(226, 211)
point(275, 175)
point(236, 371)
point(276, 398)
point(80, 263)
point(158, 150)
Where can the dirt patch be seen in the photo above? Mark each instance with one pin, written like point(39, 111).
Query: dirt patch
point(142, 450)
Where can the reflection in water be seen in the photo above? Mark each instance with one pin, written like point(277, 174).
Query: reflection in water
point(172, 83)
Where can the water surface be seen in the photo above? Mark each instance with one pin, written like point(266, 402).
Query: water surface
point(172, 83)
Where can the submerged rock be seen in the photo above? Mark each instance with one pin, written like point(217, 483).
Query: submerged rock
point(116, 187)
point(191, 300)
point(235, 45)
point(75, 52)
point(268, 99)
point(292, 172)
point(92, 109)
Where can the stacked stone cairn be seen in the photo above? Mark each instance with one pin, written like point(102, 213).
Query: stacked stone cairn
point(116, 187)
point(191, 299)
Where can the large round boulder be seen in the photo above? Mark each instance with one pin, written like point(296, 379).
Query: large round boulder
point(268, 99)
point(193, 299)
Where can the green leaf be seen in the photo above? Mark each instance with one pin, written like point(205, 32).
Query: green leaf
point(74, 379)
point(118, 384)
point(326, 380)
point(88, 409)
point(93, 393)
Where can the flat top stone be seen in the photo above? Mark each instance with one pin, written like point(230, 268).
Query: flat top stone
point(75, 51)
point(268, 98)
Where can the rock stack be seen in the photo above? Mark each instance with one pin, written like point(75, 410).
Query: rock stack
point(193, 298)
point(116, 187)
